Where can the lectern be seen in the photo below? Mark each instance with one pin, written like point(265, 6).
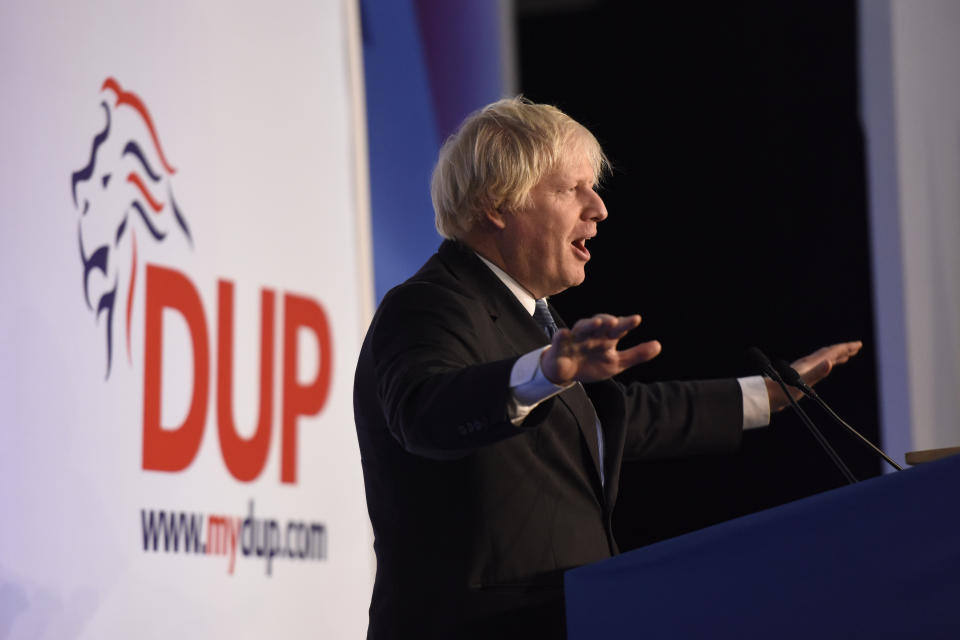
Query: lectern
point(878, 559)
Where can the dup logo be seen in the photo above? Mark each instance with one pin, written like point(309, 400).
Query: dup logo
point(127, 176)
point(126, 186)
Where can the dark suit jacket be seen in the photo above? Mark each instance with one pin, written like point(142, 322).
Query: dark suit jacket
point(474, 518)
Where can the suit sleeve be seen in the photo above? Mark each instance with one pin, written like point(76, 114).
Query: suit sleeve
point(439, 397)
point(671, 419)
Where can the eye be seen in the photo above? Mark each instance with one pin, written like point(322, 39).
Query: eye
point(106, 180)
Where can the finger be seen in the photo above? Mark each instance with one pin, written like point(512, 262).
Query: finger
point(836, 354)
point(623, 326)
point(605, 326)
point(839, 352)
point(598, 326)
point(608, 326)
point(642, 352)
point(847, 350)
point(587, 326)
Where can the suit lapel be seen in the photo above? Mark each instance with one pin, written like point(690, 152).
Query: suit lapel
point(519, 330)
point(609, 397)
point(577, 402)
point(581, 407)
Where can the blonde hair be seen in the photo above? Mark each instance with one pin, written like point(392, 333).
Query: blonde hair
point(497, 155)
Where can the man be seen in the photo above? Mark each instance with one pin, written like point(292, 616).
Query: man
point(492, 452)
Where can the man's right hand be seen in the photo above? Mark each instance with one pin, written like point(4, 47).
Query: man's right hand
point(588, 352)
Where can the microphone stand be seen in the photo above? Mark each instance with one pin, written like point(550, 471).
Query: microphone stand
point(793, 379)
point(764, 364)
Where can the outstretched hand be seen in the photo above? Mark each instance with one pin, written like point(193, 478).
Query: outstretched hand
point(812, 369)
point(588, 352)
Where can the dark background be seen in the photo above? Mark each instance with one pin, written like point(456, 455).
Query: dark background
point(737, 218)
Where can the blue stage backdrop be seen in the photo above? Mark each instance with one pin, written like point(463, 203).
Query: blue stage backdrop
point(428, 63)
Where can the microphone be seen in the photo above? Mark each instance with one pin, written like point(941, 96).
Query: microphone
point(793, 378)
point(762, 362)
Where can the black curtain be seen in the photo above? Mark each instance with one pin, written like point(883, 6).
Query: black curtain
point(737, 218)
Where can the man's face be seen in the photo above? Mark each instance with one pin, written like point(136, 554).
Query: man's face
point(545, 244)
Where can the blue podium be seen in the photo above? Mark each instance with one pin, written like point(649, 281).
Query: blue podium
point(878, 559)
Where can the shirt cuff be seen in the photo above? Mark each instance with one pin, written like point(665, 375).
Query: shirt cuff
point(528, 386)
point(756, 402)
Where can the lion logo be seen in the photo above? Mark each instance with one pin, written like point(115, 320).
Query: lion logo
point(125, 184)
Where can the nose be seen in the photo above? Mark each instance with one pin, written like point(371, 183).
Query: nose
point(595, 209)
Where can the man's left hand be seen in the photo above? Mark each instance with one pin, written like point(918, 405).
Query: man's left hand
point(812, 369)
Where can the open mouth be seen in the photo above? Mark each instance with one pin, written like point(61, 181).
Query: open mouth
point(580, 246)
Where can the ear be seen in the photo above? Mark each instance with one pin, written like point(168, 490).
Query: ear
point(495, 217)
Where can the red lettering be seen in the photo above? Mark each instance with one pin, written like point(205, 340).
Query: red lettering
point(172, 449)
point(301, 400)
point(166, 449)
point(245, 458)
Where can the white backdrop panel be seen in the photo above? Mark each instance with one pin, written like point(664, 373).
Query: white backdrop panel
point(248, 177)
point(911, 109)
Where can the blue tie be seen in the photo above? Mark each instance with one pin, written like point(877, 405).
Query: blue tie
point(542, 315)
point(545, 319)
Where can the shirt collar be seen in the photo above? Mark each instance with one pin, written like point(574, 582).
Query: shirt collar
point(528, 301)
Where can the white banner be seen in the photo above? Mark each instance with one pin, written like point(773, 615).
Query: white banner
point(186, 286)
point(911, 112)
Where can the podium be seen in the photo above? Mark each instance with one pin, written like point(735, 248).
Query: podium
point(878, 559)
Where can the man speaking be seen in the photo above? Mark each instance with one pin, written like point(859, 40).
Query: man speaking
point(491, 435)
